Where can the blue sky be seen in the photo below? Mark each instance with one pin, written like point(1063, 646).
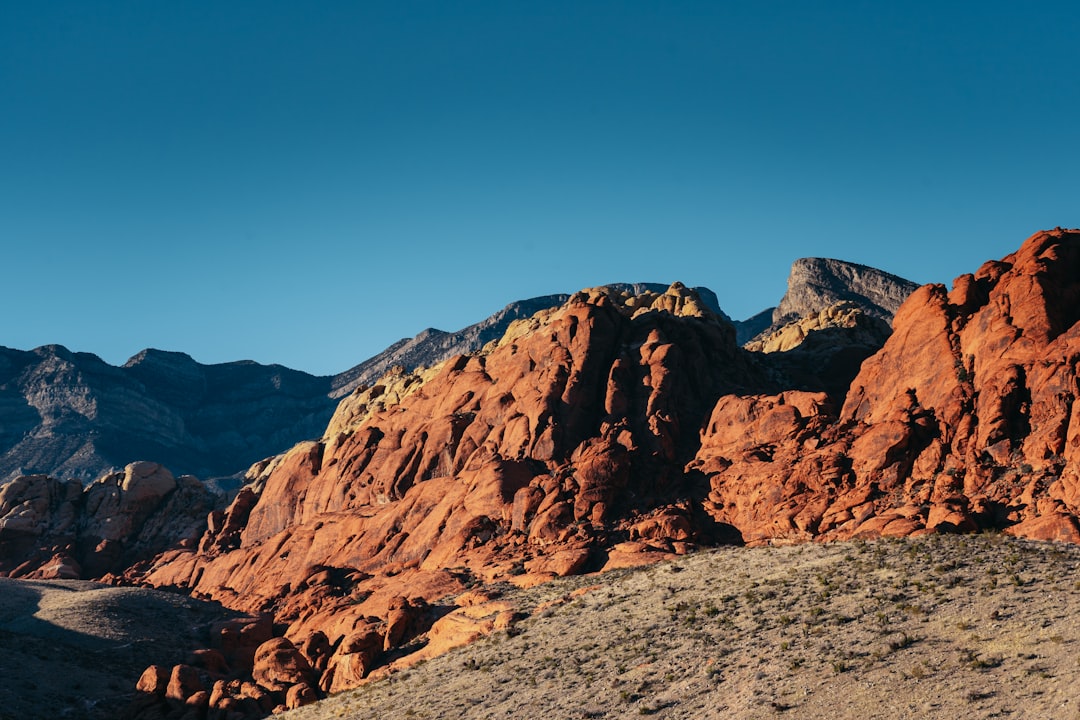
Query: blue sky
point(305, 183)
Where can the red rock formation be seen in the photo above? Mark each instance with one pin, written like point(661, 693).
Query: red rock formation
point(58, 529)
point(278, 665)
point(616, 430)
point(965, 419)
point(526, 462)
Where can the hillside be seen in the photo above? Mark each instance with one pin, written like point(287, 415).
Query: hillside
point(74, 649)
point(930, 627)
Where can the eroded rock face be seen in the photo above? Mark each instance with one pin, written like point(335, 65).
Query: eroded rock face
point(529, 460)
point(55, 529)
point(625, 427)
point(833, 316)
point(622, 427)
point(818, 283)
point(965, 419)
point(823, 351)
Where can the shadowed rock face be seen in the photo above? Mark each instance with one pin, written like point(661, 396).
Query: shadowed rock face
point(818, 283)
point(72, 415)
point(833, 316)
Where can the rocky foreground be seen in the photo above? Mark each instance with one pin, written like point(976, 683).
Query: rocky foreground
point(931, 627)
point(938, 626)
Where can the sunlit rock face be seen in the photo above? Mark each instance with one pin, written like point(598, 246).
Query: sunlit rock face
point(965, 419)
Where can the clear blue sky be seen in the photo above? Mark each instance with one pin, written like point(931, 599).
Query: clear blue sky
point(305, 183)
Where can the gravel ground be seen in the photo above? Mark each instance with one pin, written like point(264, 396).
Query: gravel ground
point(930, 627)
point(73, 649)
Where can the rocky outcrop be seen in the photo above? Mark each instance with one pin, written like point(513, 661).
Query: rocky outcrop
point(59, 529)
point(624, 426)
point(823, 351)
point(559, 448)
point(818, 283)
point(965, 419)
point(833, 316)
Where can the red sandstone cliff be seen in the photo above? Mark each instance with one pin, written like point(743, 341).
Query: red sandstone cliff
point(557, 451)
point(618, 429)
point(964, 420)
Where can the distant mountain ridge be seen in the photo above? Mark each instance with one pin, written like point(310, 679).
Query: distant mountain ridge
point(818, 283)
point(72, 415)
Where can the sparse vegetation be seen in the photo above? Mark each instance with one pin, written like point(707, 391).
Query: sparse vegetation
point(975, 622)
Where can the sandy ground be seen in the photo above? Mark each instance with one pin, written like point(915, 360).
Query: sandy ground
point(931, 627)
point(72, 649)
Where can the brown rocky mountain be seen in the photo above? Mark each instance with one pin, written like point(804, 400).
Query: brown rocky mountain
point(619, 428)
point(819, 283)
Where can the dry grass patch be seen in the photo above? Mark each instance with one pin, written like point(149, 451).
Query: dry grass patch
point(936, 626)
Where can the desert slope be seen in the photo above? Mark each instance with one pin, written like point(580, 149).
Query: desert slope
point(932, 627)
